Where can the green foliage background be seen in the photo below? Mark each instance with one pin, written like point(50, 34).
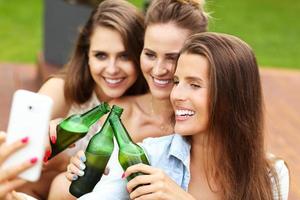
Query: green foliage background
point(271, 27)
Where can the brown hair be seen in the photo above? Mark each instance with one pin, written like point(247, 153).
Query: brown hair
point(120, 16)
point(236, 157)
point(187, 14)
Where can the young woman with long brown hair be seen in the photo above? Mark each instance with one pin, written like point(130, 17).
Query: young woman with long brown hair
point(218, 152)
point(104, 65)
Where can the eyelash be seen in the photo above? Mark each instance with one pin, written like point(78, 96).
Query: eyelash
point(150, 55)
point(100, 56)
point(195, 86)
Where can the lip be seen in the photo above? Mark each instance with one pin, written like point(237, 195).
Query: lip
point(114, 82)
point(181, 118)
point(161, 82)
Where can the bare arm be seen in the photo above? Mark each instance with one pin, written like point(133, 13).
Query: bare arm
point(54, 88)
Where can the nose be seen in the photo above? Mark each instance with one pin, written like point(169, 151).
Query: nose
point(159, 68)
point(178, 94)
point(112, 67)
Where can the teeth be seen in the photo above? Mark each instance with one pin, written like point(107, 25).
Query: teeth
point(161, 82)
point(113, 81)
point(184, 112)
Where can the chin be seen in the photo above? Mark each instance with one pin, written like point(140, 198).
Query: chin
point(161, 94)
point(115, 94)
point(181, 130)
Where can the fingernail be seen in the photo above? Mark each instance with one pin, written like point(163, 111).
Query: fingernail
point(33, 160)
point(47, 155)
point(82, 166)
point(123, 175)
point(25, 140)
point(53, 139)
point(45, 159)
point(83, 158)
point(81, 173)
point(75, 177)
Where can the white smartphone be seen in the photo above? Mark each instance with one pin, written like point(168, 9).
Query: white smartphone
point(29, 117)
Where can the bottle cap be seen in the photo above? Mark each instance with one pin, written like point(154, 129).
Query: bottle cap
point(105, 107)
point(117, 110)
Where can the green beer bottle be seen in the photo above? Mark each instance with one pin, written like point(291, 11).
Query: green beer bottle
point(129, 152)
point(76, 127)
point(97, 155)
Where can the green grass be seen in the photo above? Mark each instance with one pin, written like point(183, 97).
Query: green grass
point(20, 30)
point(271, 27)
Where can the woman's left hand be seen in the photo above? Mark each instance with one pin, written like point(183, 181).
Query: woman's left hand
point(155, 184)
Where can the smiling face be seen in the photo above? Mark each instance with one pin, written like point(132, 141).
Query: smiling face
point(161, 48)
point(110, 66)
point(189, 95)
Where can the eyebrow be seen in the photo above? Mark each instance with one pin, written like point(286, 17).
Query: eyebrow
point(193, 78)
point(167, 54)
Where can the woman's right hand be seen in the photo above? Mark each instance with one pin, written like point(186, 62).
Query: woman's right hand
point(8, 180)
point(52, 137)
point(76, 166)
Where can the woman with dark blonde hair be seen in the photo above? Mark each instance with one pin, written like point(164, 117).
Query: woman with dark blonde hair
point(218, 152)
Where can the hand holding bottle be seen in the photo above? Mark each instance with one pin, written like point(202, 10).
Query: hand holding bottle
point(154, 184)
point(8, 180)
point(76, 166)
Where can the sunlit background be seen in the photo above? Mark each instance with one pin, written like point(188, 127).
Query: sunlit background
point(271, 27)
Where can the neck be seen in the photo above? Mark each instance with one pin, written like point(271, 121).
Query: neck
point(162, 108)
point(198, 149)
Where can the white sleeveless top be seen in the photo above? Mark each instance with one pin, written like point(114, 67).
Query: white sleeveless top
point(79, 109)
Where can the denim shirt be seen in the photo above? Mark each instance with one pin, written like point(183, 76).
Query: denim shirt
point(170, 153)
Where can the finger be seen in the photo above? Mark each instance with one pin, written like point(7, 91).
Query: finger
point(150, 196)
point(142, 191)
point(141, 180)
point(106, 171)
point(146, 169)
point(81, 155)
point(70, 176)
point(52, 129)
point(78, 163)
point(10, 185)
point(12, 172)
point(8, 149)
point(73, 169)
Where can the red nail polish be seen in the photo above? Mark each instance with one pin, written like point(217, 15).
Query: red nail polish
point(25, 140)
point(45, 159)
point(33, 160)
point(123, 175)
point(53, 139)
point(48, 153)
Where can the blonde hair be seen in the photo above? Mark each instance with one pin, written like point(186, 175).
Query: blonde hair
point(186, 14)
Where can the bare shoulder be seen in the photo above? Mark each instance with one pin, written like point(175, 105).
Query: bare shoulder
point(54, 88)
point(127, 103)
point(133, 105)
point(52, 85)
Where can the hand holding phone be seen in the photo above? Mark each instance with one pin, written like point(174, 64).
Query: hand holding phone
point(29, 117)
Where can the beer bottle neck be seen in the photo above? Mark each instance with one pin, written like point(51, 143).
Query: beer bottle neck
point(90, 117)
point(119, 130)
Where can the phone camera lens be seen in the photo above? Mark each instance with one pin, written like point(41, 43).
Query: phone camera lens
point(30, 107)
